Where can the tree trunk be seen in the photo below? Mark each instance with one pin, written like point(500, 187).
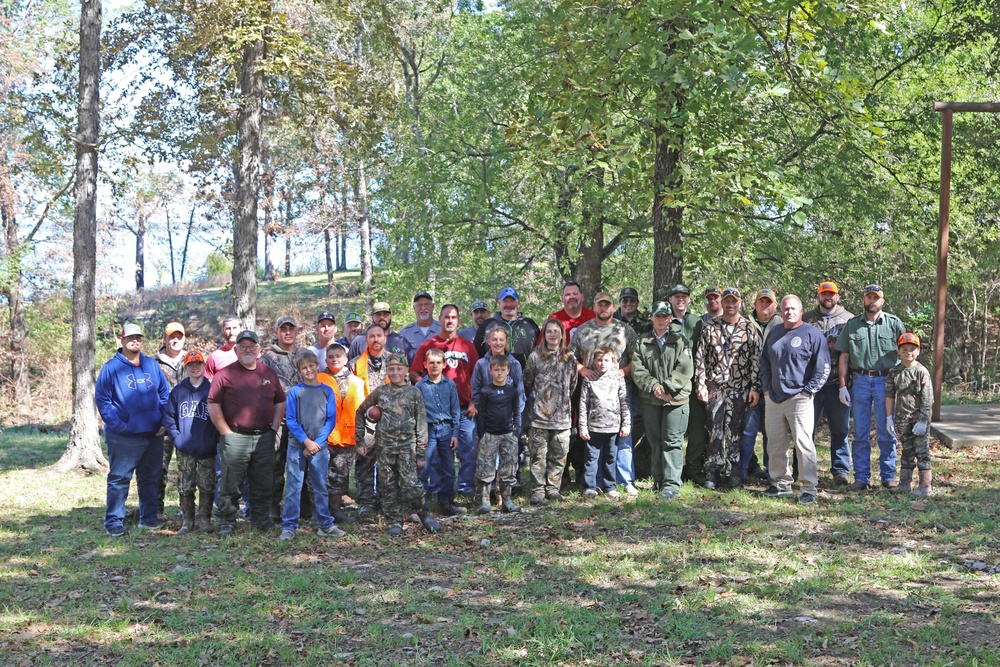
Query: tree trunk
point(84, 449)
point(270, 229)
point(140, 253)
point(187, 239)
point(668, 237)
point(170, 244)
point(288, 235)
point(342, 233)
point(248, 127)
point(587, 271)
point(20, 384)
point(330, 289)
point(342, 260)
point(365, 232)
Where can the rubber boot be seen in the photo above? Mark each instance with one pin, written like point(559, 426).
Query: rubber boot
point(924, 490)
point(483, 493)
point(905, 480)
point(508, 503)
point(337, 510)
point(187, 512)
point(161, 494)
point(429, 522)
point(205, 501)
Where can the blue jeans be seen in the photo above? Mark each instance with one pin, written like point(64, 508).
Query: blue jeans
point(296, 466)
point(600, 464)
point(467, 454)
point(624, 462)
point(868, 393)
point(438, 474)
point(128, 454)
point(753, 423)
point(838, 419)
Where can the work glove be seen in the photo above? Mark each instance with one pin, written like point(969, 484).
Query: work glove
point(920, 428)
point(845, 396)
point(890, 424)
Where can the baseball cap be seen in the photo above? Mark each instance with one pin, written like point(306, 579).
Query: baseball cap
point(662, 308)
point(828, 286)
point(174, 327)
point(325, 315)
point(908, 339)
point(765, 293)
point(508, 292)
point(731, 291)
point(336, 346)
point(131, 329)
point(398, 359)
point(252, 335)
point(382, 307)
point(714, 289)
point(478, 304)
point(678, 289)
point(423, 295)
point(629, 293)
point(603, 296)
point(194, 357)
point(874, 289)
point(285, 319)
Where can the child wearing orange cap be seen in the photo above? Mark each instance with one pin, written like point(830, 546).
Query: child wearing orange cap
point(908, 400)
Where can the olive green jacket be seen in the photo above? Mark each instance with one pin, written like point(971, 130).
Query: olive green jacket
point(672, 367)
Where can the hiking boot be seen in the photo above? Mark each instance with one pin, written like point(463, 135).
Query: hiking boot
point(859, 486)
point(338, 513)
point(734, 482)
point(187, 509)
point(538, 498)
point(205, 501)
point(285, 536)
point(891, 485)
point(395, 530)
point(841, 480)
point(429, 522)
point(226, 530)
point(905, 480)
point(448, 508)
point(924, 490)
point(332, 531)
point(554, 496)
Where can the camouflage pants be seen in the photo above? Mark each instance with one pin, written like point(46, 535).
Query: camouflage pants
point(399, 487)
point(916, 449)
point(168, 452)
point(337, 479)
point(490, 446)
point(195, 473)
point(548, 458)
point(364, 470)
point(724, 413)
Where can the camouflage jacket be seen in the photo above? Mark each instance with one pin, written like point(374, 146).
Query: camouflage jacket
point(552, 382)
point(728, 355)
point(404, 419)
point(604, 405)
point(173, 369)
point(617, 335)
point(282, 362)
point(911, 388)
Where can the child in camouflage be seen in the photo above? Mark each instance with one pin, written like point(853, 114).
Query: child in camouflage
point(908, 400)
point(400, 445)
point(604, 416)
point(498, 426)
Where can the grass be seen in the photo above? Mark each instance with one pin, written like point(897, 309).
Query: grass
point(734, 579)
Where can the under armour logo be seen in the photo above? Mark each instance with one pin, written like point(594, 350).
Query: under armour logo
point(134, 382)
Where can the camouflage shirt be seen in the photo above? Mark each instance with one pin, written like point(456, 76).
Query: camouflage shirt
point(403, 424)
point(173, 369)
point(729, 355)
point(552, 382)
point(282, 362)
point(617, 335)
point(911, 388)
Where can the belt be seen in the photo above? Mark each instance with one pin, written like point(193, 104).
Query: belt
point(438, 423)
point(871, 374)
point(247, 431)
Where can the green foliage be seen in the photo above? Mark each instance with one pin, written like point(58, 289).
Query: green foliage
point(217, 264)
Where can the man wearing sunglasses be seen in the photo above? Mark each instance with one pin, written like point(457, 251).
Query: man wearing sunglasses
point(868, 351)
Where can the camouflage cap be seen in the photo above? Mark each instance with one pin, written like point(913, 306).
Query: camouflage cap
point(398, 359)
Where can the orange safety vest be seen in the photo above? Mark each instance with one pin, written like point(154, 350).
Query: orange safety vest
point(347, 407)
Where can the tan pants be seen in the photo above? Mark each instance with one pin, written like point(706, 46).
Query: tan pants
point(794, 417)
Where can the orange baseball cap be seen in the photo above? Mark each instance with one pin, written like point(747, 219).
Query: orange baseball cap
point(828, 286)
point(908, 339)
point(194, 357)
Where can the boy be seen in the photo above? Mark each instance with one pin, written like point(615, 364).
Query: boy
point(443, 414)
point(908, 394)
point(604, 416)
point(196, 440)
point(349, 390)
point(311, 414)
point(498, 425)
point(400, 444)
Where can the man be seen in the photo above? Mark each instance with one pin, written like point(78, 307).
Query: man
point(372, 367)
point(523, 330)
point(628, 312)
point(131, 394)
point(392, 341)
point(425, 326)
point(680, 298)
point(765, 307)
point(867, 345)
point(727, 378)
point(573, 312)
point(171, 361)
point(353, 326)
point(225, 355)
point(281, 359)
point(480, 313)
point(326, 333)
point(460, 358)
point(697, 434)
point(793, 367)
point(830, 317)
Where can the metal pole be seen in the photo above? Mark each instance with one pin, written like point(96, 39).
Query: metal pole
point(942, 262)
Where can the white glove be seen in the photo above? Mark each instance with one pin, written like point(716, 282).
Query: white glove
point(845, 396)
point(890, 424)
point(920, 428)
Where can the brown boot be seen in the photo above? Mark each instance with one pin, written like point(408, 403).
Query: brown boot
point(187, 510)
point(205, 501)
point(905, 480)
point(924, 490)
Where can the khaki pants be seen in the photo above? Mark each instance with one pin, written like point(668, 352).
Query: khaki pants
point(794, 417)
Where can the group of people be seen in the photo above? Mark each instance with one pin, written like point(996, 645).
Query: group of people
point(281, 428)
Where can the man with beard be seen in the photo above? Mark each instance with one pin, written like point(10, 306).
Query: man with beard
point(392, 341)
point(246, 403)
point(868, 351)
point(460, 358)
point(425, 326)
point(326, 332)
point(628, 312)
point(573, 312)
point(372, 367)
point(764, 316)
point(281, 358)
point(697, 432)
point(523, 332)
point(480, 313)
point(171, 361)
point(225, 355)
point(353, 326)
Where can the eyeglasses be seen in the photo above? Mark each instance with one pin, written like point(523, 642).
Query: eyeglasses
point(247, 348)
point(873, 288)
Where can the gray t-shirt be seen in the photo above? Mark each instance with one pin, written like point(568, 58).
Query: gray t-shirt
point(311, 404)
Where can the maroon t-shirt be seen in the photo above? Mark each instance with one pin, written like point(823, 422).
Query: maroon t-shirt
point(247, 396)
point(460, 357)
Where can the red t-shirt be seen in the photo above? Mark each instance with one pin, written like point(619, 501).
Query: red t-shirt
point(247, 396)
point(570, 324)
point(460, 359)
point(218, 359)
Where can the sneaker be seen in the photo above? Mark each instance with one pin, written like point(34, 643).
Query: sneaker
point(395, 530)
point(631, 490)
point(118, 530)
point(773, 492)
point(145, 528)
point(332, 531)
point(286, 535)
point(613, 494)
point(859, 486)
point(668, 494)
point(807, 499)
point(226, 530)
point(590, 493)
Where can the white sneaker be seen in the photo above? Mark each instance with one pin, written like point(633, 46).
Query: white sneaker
point(631, 490)
point(332, 531)
point(613, 494)
point(286, 535)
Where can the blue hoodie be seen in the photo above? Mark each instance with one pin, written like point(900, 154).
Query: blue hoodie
point(187, 422)
point(131, 398)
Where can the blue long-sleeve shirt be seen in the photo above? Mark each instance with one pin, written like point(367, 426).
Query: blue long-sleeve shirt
point(311, 412)
point(131, 398)
point(794, 361)
point(187, 422)
point(441, 401)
